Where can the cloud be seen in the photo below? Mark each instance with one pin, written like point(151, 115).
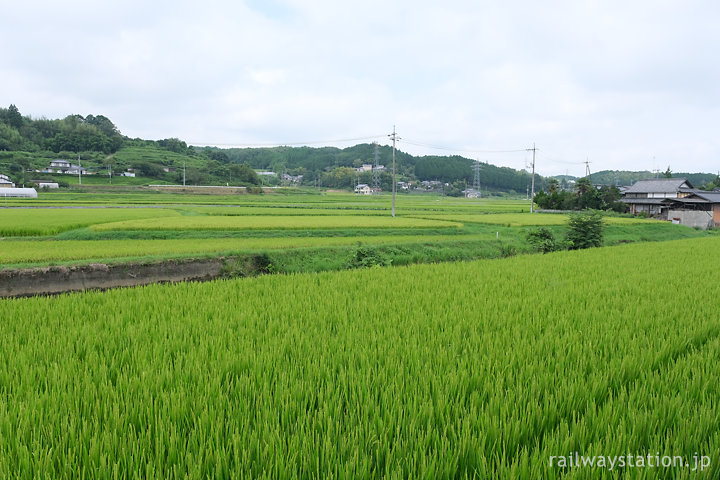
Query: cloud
point(616, 82)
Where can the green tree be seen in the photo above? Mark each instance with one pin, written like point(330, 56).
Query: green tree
point(553, 185)
point(667, 173)
point(583, 186)
point(242, 172)
point(585, 230)
point(14, 119)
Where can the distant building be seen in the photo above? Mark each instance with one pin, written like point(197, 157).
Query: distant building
point(45, 184)
point(363, 189)
point(646, 196)
point(674, 200)
point(291, 178)
point(5, 182)
point(366, 167)
point(64, 166)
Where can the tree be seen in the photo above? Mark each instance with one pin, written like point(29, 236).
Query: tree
point(583, 186)
point(667, 173)
point(553, 185)
point(14, 119)
point(585, 230)
point(242, 172)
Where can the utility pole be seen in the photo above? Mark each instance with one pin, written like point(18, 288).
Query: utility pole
point(376, 171)
point(532, 182)
point(184, 162)
point(394, 139)
point(79, 171)
point(587, 168)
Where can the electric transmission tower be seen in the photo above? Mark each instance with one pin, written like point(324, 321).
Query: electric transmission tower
point(476, 179)
point(376, 170)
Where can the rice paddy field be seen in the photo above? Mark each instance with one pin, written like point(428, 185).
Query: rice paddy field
point(78, 227)
point(483, 369)
point(497, 368)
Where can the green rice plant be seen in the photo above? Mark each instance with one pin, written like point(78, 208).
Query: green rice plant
point(528, 219)
point(481, 369)
point(50, 221)
point(31, 251)
point(259, 222)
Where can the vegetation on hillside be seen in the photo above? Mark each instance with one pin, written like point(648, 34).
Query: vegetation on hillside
point(28, 145)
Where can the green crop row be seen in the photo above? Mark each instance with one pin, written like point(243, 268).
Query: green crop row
point(30, 251)
point(286, 197)
point(261, 222)
point(481, 369)
point(51, 221)
point(526, 219)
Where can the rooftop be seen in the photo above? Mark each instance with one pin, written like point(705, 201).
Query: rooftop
point(659, 185)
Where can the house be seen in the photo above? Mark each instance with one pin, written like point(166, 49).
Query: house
point(59, 163)
point(675, 200)
point(127, 174)
point(647, 196)
point(366, 167)
point(5, 182)
point(363, 189)
point(63, 166)
point(699, 209)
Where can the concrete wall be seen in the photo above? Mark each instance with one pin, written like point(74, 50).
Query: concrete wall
point(692, 218)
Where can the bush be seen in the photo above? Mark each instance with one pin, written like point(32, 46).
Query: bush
point(542, 240)
point(368, 257)
point(585, 230)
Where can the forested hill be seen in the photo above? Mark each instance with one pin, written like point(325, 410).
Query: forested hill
point(312, 162)
point(27, 145)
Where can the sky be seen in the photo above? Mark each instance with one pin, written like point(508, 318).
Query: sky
point(623, 85)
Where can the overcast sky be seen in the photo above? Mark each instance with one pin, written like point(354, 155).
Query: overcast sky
point(631, 84)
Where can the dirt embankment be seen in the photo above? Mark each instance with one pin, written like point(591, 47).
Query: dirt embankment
point(53, 280)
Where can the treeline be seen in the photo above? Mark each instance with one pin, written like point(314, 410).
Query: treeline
point(95, 138)
point(73, 133)
point(335, 167)
point(585, 196)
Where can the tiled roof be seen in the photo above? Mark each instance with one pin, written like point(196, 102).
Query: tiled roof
point(658, 185)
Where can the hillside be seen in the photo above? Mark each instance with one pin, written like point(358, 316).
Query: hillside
point(27, 146)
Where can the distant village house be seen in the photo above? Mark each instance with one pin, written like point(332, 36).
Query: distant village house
point(363, 189)
point(66, 167)
point(5, 182)
point(675, 200)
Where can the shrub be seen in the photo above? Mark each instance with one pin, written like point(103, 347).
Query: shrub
point(368, 257)
point(542, 240)
point(585, 230)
